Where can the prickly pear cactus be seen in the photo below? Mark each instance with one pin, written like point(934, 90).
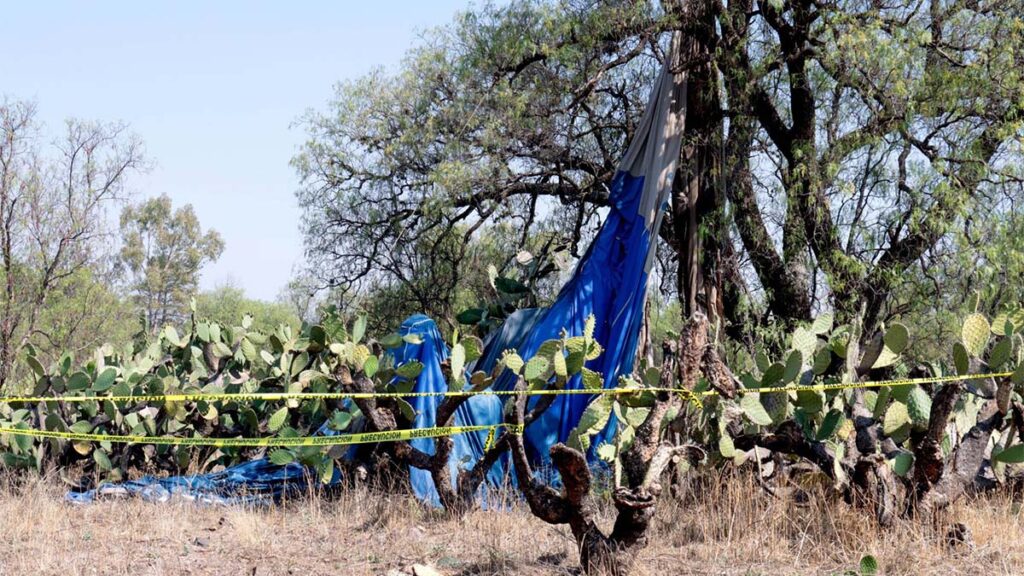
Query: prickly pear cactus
point(821, 353)
point(205, 358)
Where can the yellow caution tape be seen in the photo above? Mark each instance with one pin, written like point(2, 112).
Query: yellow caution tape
point(694, 398)
point(401, 435)
point(277, 396)
point(339, 440)
point(490, 439)
point(274, 396)
point(874, 384)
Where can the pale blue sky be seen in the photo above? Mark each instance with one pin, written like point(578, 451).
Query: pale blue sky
point(212, 88)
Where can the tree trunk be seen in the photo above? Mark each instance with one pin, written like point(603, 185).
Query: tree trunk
point(697, 199)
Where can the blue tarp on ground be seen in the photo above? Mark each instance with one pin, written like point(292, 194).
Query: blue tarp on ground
point(610, 282)
point(249, 483)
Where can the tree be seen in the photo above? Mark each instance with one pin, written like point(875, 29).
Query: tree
point(163, 252)
point(857, 139)
point(83, 313)
point(403, 172)
point(980, 269)
point(301, 295)
point(882, 129)
point(52, 202)
point(227, 304)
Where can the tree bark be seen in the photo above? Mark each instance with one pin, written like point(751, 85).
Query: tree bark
point(697, 196)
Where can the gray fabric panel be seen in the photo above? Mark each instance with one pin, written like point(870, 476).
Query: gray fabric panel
point(654, 151)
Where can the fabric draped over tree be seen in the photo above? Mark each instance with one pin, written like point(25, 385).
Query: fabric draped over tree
point(609, 282)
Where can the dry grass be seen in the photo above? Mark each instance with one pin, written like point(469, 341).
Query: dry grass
point(725, 526)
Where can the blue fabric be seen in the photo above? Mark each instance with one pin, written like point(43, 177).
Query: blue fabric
point(254, 482)
point(510, 334)
point(478, 410)
point(609, 282)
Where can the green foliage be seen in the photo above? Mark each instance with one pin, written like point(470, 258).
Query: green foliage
point(54, 194)
point(868, 565)
point(516, 285)
point(208, 357)
point(416, 158)
point(163, 250)
point(510, 117)
point(1013, 455)
point(975, 334)
point(754, 410)
point(81, 314)
point(826, 415)
point(226, 304)
point(980, 264)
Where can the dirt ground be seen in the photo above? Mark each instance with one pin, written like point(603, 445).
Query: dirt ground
point(726, 527)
